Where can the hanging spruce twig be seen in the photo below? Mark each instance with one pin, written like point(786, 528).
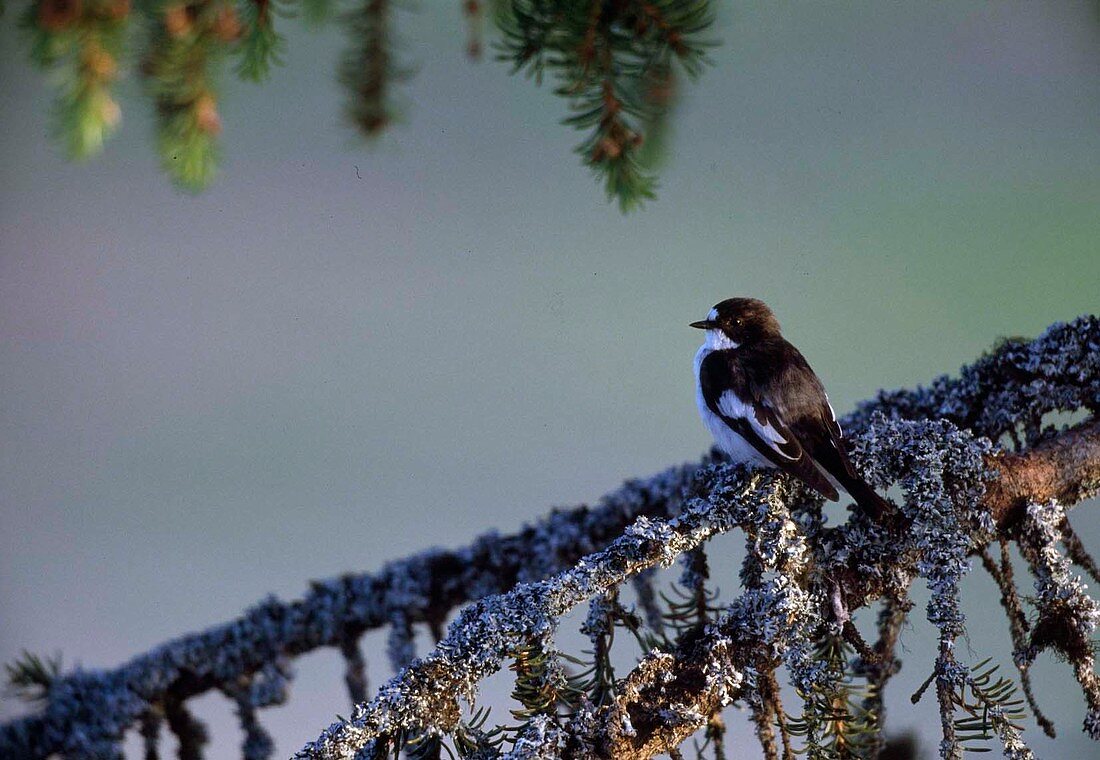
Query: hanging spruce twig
point(615, 63)
point(82, 44)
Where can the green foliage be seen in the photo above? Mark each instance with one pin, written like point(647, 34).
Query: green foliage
point(186, 45)
point(612, 62)
point(661, 92)
point(470, 736)
point(598, 681)
point(835, 723)
point(989, 707)
point(316, 12)
point(615, 62)
point(30, 677)
point(469, 739)
point(986, 701)
point(541, 683)
point(81, 43)
point(690, 605)
point(369, 69)
point(261, 46)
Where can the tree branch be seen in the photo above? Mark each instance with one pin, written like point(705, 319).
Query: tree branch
point(91, 707)
point(1064, 468)
point(928, 439)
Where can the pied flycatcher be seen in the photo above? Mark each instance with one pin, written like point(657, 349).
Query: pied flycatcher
point(765, 406)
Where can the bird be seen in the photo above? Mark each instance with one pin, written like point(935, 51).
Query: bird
point(765, 406)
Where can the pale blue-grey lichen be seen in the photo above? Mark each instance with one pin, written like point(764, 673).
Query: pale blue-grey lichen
point(485, 632)
point(1012, 743)
point(86, 713)
point(1011, 387)
point(540, 739)
point(1067, 615)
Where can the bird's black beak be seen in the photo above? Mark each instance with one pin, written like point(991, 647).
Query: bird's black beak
point(704, 324)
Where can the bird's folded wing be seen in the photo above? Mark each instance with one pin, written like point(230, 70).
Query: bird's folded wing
point(765, 423)
point(762, 427)
point(726, 391)
point(832, 454)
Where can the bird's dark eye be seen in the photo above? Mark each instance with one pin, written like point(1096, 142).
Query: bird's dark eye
point(740, 321)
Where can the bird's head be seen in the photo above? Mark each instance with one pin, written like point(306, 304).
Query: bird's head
point(738, 321)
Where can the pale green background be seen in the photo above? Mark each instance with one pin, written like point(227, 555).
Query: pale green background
point(337, 357)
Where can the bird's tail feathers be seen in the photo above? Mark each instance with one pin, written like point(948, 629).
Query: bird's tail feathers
point(867, 499)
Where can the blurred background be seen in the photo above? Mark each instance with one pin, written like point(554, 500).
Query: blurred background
point(337, 356)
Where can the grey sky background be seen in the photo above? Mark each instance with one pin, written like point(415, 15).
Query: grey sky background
point(338, 356)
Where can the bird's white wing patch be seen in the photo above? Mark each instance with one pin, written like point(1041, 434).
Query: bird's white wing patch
point(732, 406)
point(839, 430)
point(832, 411)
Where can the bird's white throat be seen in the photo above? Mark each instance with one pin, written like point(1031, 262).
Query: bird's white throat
point(717, 340)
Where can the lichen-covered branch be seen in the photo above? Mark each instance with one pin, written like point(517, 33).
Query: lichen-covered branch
point(88, 709)
point(948, 512)
point(679, 679)
point(426, 693)
point(1008, 390)
point(802, 582)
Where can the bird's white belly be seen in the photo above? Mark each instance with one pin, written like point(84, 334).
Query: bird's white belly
point(736, 447)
